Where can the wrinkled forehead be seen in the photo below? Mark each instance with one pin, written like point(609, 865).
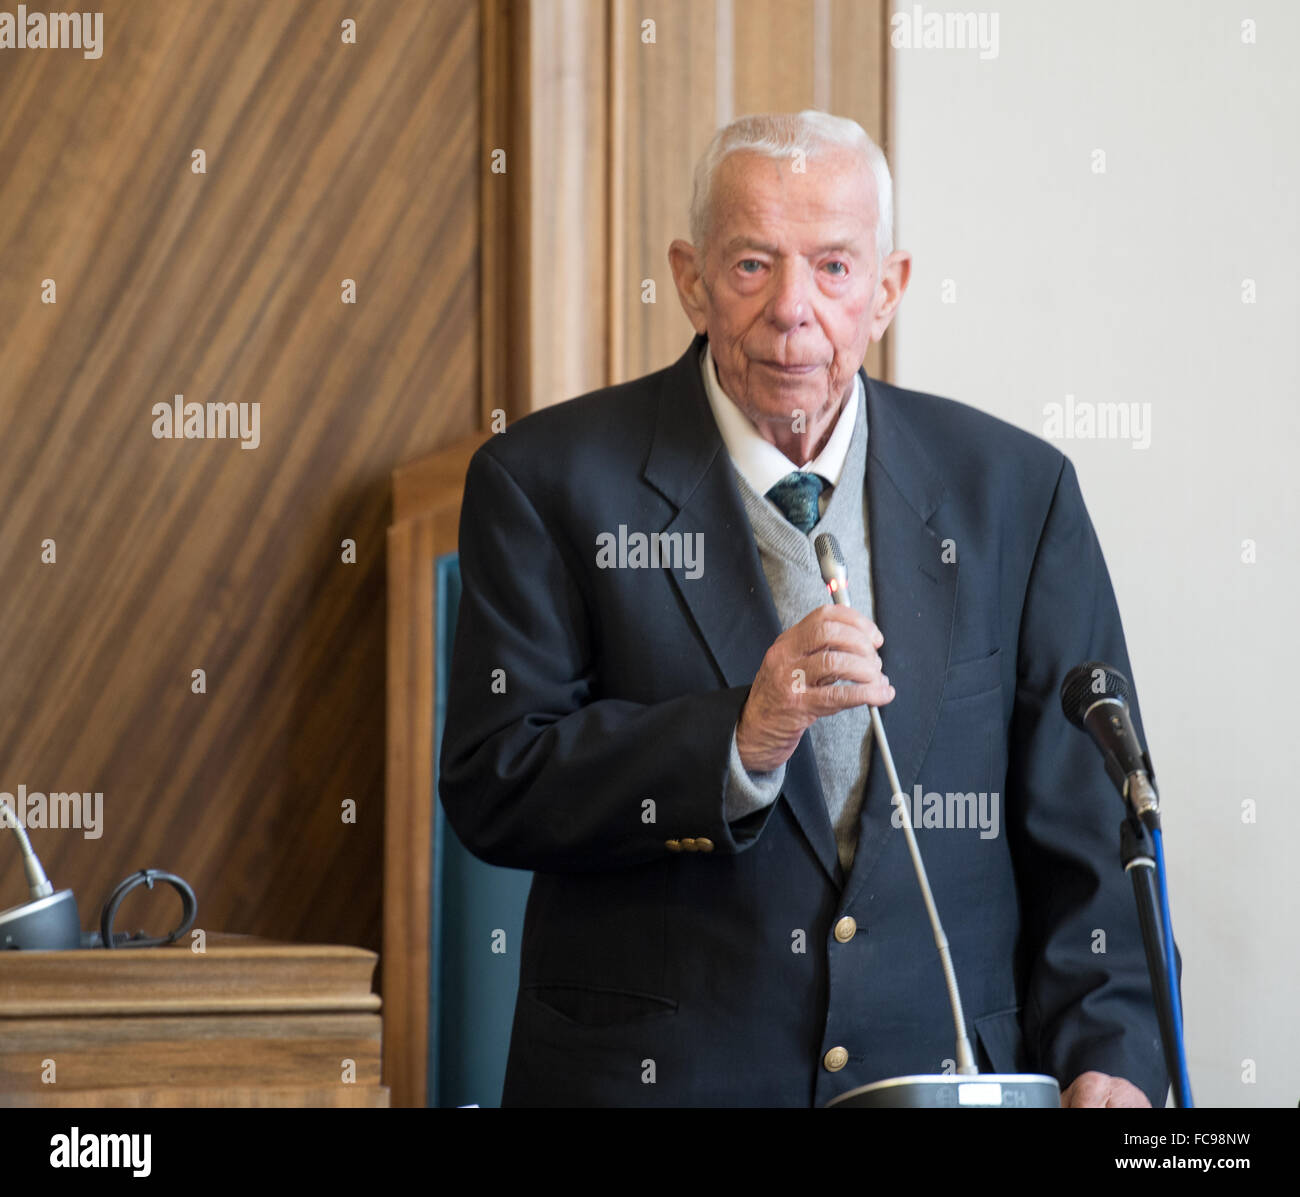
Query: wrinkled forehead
point(827, 199)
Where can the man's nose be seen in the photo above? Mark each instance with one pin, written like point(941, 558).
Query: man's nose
point(791, 302)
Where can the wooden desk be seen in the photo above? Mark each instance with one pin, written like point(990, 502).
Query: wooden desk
point(249, 1022)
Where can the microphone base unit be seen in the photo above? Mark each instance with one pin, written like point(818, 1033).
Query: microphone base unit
point(45, 925)
point(1006, 1091)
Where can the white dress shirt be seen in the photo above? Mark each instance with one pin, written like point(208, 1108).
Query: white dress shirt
point(760, 462)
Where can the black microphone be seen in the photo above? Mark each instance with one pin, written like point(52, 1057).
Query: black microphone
point(1094, 697)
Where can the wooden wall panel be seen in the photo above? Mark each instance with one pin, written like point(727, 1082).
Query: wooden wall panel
point(569, 208)
point(668, 95)
point(426, 524)
point(325, 161)
point(773, 55)
point(853, 65)
point(546, 214)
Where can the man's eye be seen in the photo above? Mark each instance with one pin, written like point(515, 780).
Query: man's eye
point(843, 268)
point(748, 262)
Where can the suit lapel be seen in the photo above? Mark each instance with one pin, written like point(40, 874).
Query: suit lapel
point(731, 602)
point(914, 595)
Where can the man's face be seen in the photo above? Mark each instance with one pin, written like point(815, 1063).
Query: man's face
point(787, 283)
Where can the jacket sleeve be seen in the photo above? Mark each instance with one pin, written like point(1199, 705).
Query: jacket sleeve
point(1088, 1004)
point(538, 770)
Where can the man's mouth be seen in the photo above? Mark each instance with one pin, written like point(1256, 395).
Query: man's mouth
point(792, 370)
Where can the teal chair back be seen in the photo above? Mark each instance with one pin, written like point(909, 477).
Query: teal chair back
point(476, 921)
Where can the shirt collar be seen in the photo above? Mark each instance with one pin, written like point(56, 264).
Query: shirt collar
point(760, 462)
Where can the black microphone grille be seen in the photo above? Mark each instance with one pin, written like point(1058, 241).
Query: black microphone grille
point(1086, 683)
point(827, 546)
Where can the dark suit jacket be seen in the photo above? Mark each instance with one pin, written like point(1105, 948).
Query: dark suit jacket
point(659, 977)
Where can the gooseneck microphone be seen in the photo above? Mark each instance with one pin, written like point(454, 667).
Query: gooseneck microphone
point(38, 884)
point(49, 919)
point(968, 1087)
point(835, 575)
point(1094, 697)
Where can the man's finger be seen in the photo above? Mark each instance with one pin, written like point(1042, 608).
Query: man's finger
point(827, 667)
point(1097, 1090)
point(848, 616)
point(832, 634)
point(830, 700)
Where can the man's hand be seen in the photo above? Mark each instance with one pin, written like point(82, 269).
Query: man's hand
point(796, 683)
point(1096, 1090)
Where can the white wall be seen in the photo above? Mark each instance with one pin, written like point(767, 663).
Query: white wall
point(1126, 286)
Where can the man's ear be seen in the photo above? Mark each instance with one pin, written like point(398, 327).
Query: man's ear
point(687, 265)
point(895, 272)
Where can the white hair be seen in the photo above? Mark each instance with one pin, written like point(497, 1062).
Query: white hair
point(781, 135)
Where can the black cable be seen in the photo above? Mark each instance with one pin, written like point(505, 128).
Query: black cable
point(139, 940)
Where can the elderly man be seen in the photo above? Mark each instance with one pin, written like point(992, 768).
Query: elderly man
point(654, 707)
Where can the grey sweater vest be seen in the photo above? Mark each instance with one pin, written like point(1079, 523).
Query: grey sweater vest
point(841, 742)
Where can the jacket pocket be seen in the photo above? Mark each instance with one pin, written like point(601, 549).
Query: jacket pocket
point(594, 1006)
point(965, 679)
point(1001, 1042)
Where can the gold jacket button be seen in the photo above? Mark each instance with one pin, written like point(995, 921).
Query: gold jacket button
point(846, 928)
point(835, 1059)
point(673, 845)
point(689, 844)
point(704, 844)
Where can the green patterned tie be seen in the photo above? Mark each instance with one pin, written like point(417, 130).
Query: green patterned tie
point(796, 495)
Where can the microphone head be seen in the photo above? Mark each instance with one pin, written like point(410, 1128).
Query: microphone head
point(827, 546)
point(1088, 683)
point(835, 572)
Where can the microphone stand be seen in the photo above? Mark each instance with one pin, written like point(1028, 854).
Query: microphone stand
point(1094, 697)
point(1136, 855)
